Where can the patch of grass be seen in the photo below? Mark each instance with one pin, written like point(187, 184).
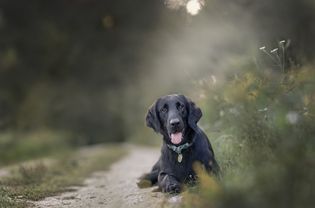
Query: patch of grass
point(21, 146)
point(39, 180)
point(7, 202)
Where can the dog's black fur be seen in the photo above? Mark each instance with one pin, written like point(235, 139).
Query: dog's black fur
point(168, 173)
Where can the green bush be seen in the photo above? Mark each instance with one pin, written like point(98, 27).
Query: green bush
point(262, 126)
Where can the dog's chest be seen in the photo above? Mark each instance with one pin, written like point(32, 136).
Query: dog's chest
point(183, 168)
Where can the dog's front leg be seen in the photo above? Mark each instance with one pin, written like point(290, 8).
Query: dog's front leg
point(168, 183)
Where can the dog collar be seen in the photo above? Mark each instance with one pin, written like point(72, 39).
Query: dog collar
point(180, 148)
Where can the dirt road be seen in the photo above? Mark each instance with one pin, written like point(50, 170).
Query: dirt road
point(116, 187)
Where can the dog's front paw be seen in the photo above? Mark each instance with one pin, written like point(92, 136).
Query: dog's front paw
point(172, 188)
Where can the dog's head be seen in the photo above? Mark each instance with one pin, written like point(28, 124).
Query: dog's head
point(174, 116)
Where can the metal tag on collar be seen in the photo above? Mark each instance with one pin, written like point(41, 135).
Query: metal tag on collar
point(179, 158)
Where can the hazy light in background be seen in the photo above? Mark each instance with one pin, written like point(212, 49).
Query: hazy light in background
point(108, 22)
point(194, 6)
point(175, 4)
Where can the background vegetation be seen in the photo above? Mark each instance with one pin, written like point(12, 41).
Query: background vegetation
point(261, 121)
point(82, 72)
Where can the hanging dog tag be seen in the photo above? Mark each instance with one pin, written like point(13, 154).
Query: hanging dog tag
point(180, 158)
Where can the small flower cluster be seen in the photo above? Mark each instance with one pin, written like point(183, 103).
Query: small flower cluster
point(278, 55)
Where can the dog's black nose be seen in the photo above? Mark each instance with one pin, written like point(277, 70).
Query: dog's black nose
point(174, 122)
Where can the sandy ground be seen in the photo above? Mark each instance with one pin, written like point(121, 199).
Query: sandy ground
point(116, 187)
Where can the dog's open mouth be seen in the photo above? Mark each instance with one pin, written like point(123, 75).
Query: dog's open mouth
point(177, 137)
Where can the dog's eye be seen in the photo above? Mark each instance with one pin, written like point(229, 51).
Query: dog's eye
point(163, 110)
point(181, 107)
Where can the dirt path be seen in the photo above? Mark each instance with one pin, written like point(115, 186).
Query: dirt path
point(114, 188)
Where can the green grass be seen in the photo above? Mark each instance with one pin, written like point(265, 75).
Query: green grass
point(20, 146)
point(39, 180)
point(7, 202)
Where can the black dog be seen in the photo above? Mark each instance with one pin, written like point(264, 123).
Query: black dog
point(176, 117)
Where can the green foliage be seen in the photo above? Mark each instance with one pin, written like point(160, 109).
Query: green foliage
point(21, 146)
point(262, 126)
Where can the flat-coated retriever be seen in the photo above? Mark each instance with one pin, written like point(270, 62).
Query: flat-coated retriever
point(184, 143)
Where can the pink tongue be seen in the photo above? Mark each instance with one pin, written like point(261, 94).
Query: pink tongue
point(176, 138)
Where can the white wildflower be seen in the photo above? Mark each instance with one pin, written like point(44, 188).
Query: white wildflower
point(214, 80)
point(263, 109)
point(292, 117)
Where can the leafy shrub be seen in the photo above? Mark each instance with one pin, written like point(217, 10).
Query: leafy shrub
point(262, 126)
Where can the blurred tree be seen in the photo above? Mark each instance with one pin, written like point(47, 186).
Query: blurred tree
point(64, 64)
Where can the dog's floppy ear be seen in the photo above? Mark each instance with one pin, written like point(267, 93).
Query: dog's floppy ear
point(194, 114)
point(152, 119)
